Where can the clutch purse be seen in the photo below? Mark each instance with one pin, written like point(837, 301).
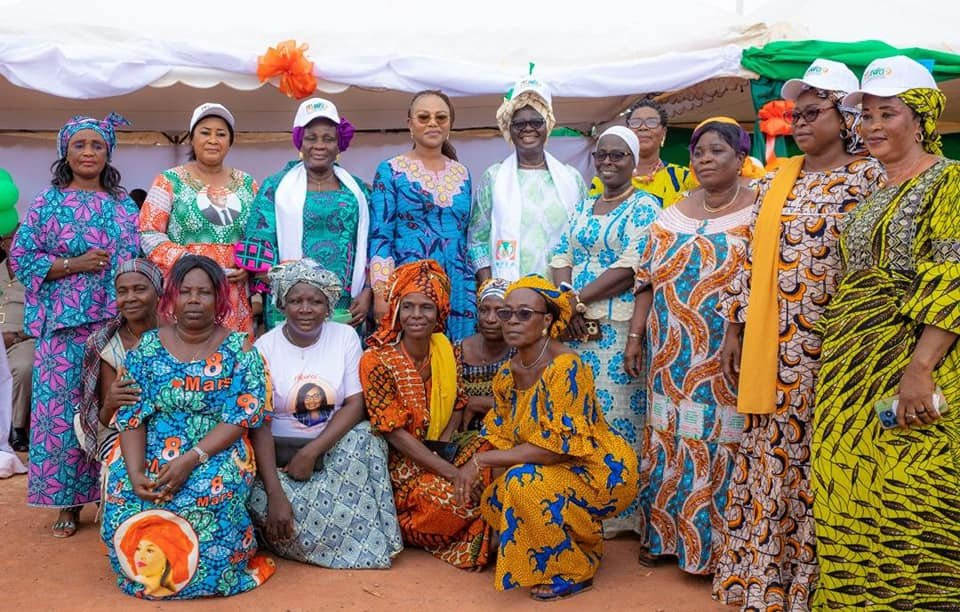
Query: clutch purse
point(594, 331)
point(286, 448)
point(446, 450)
point(256, 256)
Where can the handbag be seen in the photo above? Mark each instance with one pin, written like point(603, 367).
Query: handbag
point(446, 450)
point(286, 448)
point(594, 331)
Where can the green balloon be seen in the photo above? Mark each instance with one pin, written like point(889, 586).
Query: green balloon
point(9, 194)
point(5, 176)
point(8, 221)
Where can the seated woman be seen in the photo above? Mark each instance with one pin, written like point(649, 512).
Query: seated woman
point(415, 399)
point(301, 509)
point(566, 469)
point(139, 284)
point(481, 356)
point(175, 521)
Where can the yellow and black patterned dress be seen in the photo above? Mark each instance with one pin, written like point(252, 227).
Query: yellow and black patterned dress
point(887, 502)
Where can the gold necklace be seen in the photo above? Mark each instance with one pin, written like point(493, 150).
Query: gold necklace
point(303, 349)
point(648, 177)
point(716, 209)
point(910, 173)
point(623, 194)
point(543, 350)
point(202, 345)
point(130, 331)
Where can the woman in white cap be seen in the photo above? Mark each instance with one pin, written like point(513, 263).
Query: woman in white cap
point(886, 483)
point(768, 550)
point(596, 259)
point(314, 208)
point(201, 208)
point(523, 204)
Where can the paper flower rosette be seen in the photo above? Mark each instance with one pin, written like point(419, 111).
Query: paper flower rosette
point(288, 62)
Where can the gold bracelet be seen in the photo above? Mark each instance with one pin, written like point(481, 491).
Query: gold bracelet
point(634, 335)
point(66, 265)
point(476, 462)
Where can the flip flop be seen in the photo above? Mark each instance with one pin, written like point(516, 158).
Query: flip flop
point(647, 559)
point(65, 528)
point(558, 592)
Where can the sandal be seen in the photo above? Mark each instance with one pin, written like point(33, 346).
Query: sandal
point(560, 589)
point(647, 558)
point(64, 528)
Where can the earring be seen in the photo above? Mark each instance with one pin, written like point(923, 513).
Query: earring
point(663, 142)
point(918, 137)
point(544, 334)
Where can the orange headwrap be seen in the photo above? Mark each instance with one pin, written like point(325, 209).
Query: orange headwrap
point(425, 276)
point(168, 536)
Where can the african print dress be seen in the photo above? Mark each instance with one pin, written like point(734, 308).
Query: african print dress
point(429, 514)
point(769, 553)
point(330, 220)
point(201, 543)
point(549, 516)
point(183, 215)
point(420, 214)
point(669, 184)
point(591, 245)
point(693, 427)
point(62, 314)
point(885, 500)
point(478, 379)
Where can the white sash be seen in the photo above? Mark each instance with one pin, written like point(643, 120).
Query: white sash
point(290, 198)
point(508, 203)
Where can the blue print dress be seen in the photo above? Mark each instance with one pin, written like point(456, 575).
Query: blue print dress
point(201, 543)
point(420, 214)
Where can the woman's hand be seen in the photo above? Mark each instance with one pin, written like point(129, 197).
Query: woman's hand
point(124, 391)
point(143, 487)
point(173, 474)
point(360, 307)
point(632, 356)
point(301, 466)
point(279, 526)
point(465, 483)
point(915, 406)
point(94, 260)
point(380, 307)
point(730, 352)
point(236, 275)
point(476, 407)
point(578, 327)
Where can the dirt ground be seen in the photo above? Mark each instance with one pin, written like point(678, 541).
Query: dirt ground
point(39, 572)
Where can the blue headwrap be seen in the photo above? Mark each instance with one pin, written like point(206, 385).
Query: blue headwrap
point(79, 122)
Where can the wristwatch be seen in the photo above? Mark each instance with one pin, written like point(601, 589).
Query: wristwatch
point(204, 457)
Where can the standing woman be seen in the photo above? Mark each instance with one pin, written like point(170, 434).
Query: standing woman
point(695, 248)
point(420, 209)
point(793, 267)
point(886, 499)
point(597, 257)
point(201, 207)
point(667, 182)
point(314, 208)
point(75, 235)
point(524, 203)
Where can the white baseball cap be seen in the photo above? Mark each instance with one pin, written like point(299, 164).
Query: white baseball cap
point(211, 108)
point(889, 76)
point(315, 108)
point(822, 74)
point(532, 85)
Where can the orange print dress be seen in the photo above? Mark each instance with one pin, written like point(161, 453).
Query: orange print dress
point(693, 427)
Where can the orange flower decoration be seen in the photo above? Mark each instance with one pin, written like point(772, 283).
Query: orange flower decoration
point(774, 119)
point(287, 61)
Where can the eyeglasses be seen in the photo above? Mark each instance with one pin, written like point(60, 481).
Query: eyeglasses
point(614, 156)
point(809, 114)
point(424, 118)
point(522, 314)
point(651, 123)
point(528, 124)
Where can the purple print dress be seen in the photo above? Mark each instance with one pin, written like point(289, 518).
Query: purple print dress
point(61, 314)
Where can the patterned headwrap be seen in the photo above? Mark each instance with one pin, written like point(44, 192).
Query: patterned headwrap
point(551, 294)
point(928, 103)
point(79, 122)
point(145, 267)
point(492, 287)
point(284, 276)
point(527, 98)
point(425, 276)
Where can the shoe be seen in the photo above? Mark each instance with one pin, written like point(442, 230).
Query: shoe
point(560, 589)
point(19, 440)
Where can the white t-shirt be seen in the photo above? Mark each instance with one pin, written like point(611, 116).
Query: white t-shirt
point(310, 384)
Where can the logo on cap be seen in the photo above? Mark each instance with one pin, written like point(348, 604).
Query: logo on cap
point(815, 70)
point(880, 72)
point(317, 106)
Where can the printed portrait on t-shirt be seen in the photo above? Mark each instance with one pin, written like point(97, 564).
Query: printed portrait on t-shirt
point(219, 206)
point(312, 401)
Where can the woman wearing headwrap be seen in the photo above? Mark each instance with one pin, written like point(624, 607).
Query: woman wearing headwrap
point(420, 209)
point(597, 256)
point(523, 204)
point(793, 266)
point(314, 208)
point(481, 356)
point(138, 285)
point(301, 509)
point(666, 181)
point(415, 399)
point(65, 253)
point(201, 207)
point(561, 468)
point(692, 429)
point(886, 485)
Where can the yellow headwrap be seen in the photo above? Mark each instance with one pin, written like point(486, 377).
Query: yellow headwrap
point(551, 294)
point(511, 106)
point(928, 103)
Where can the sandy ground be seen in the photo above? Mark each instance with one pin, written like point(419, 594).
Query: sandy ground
point(40, 572)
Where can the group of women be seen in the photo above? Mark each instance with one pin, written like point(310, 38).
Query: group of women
point(607, 399)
